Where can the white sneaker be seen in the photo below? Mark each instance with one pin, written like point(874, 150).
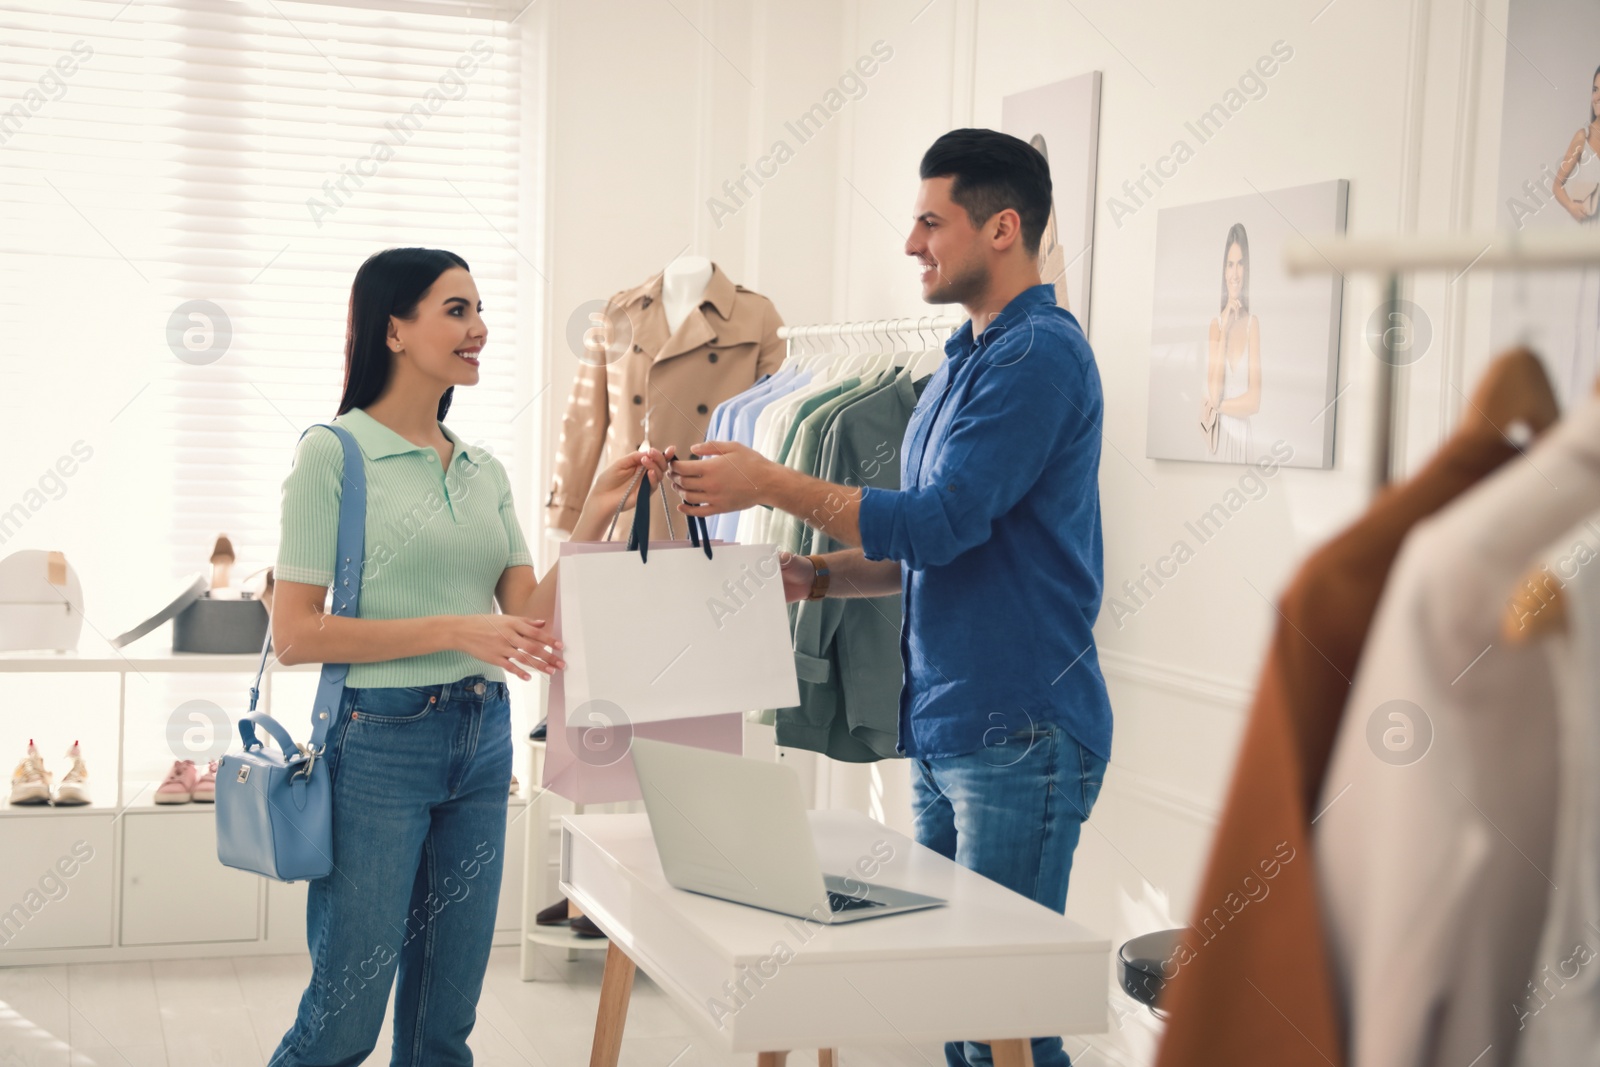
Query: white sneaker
point(30, 782)
point(74, 787)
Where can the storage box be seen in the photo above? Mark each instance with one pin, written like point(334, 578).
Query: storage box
point(202, 623)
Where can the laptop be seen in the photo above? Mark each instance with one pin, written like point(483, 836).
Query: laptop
point(736, 828)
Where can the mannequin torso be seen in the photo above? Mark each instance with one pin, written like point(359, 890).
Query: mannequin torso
point(683, 286)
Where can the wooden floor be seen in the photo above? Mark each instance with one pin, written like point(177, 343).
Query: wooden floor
point(226, 1012)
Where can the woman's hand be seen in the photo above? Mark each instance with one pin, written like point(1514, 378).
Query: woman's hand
point(1230, 317)
point(611, 489)
point(1575, 209)
point(508, 641)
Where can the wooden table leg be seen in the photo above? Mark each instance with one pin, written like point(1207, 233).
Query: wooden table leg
point(827, 1057)
point(616, 986)
point(771, 1059)
point(1013, 1052)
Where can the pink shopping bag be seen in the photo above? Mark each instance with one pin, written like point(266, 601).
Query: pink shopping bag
point(587, 751)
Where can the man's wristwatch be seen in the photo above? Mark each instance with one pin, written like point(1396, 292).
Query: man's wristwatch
point(819, 584)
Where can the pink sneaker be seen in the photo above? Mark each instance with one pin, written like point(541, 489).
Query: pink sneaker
point(205, 788)
point(179, 785)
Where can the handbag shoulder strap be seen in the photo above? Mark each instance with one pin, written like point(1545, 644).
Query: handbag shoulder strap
point(350, 546)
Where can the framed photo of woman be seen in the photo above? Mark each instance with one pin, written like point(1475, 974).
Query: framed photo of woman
point(1062, 120)
point(1244, 360)
point(1550, 180)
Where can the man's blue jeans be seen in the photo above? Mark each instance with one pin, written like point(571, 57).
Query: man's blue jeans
point(1011, 811)
point(420, 779)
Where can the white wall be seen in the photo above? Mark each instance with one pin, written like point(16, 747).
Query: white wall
point(1400, 99)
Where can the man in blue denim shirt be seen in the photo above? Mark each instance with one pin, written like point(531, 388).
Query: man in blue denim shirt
point(992, 540)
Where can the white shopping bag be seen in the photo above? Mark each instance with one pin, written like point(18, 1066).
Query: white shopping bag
point(677, 635)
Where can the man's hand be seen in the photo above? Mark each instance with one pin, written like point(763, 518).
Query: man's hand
point(728, 476)
point(798, 575)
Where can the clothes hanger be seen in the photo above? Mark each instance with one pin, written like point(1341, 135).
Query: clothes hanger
point(933, 353)
point(883, 358)
point(810, 352)
point(828, 356)
point(1515, 399)
point(853, 351)
point(901, 343)
point(906, 358)
point(909, 366)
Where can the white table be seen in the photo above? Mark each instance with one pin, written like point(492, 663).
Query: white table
point(990, 966)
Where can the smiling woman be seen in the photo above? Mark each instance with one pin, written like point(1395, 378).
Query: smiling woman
point(428, 656)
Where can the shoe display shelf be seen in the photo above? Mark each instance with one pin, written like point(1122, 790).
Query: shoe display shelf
point(125, 878)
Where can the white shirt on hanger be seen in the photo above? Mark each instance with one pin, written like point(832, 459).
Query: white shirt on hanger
point(1434, 838)
point(771, 426)
point(1559, 1009)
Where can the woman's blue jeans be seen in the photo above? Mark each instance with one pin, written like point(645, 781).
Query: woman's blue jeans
point(420, 780)
point(1012, 811)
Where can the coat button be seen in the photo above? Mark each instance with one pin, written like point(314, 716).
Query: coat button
point(647, 301)
point(638, 399)
point(636, 348)
point(712, 356)
point(702, 409)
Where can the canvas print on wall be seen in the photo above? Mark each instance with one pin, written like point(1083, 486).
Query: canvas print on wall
point(1244, 360)
point(1062, 120)
point(1550, 180)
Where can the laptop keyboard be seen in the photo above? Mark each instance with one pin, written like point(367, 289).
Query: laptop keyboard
point(838, 902)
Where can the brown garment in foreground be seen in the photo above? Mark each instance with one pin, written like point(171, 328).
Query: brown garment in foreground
point(633, 364)
point(1254, 983)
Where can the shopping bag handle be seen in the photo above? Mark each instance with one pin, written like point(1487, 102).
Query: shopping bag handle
point(639, 535)
point(699, 531)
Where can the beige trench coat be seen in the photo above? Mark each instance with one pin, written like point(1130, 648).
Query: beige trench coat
point(631, 367)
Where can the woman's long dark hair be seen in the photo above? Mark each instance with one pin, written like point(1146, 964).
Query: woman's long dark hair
point(391, 282)
point(1236, 237)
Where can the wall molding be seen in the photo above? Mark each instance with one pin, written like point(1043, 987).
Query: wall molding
point(1154, 674)
point(1129, 785)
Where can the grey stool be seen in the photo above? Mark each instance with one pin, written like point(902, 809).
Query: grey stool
point(1140, 963)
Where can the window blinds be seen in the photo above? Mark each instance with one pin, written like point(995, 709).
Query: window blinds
point(186, 190)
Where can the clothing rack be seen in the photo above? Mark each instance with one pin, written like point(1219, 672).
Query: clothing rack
point(872, 327)
point(1500, 250)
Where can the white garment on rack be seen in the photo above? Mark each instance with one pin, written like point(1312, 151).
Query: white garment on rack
point(1559, 1008)
point(1434, 873)
point(1233, 445)
point(771, 427)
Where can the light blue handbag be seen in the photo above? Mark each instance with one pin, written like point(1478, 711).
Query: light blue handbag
point(274, 808)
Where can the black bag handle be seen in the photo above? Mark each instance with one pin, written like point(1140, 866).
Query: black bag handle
point(699, 531)
point(639, 535)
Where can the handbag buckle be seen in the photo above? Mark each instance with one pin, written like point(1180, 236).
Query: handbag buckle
point(244, 773)
point(311, 759)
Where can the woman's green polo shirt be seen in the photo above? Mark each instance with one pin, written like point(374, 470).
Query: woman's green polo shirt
point(437, 542)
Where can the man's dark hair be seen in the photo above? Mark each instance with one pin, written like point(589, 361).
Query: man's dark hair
point(994, 171)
